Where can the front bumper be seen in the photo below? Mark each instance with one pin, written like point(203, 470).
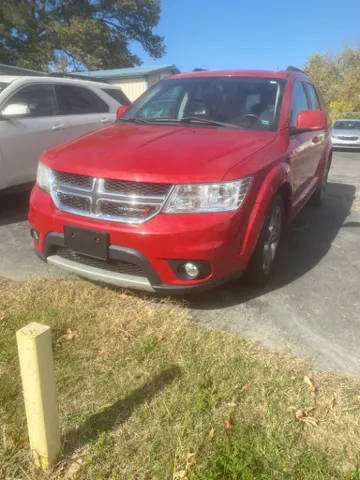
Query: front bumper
point(151, 247)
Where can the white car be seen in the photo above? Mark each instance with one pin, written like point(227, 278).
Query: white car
point(39, 112)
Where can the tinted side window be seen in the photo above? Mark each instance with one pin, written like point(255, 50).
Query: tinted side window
point(299, 102)
point(74, 100)
point(39, 98)
point(312, 96)
point(117, 95)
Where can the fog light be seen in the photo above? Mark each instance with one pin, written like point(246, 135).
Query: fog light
point(192, 270)
point(35, 234)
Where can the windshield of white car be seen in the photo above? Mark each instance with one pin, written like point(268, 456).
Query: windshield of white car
point(347, 125)
point(251, 103)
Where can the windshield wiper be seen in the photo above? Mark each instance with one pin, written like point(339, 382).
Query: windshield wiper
point(192, 119)
point(133, 120)
point(186, 120)
point(206, 121)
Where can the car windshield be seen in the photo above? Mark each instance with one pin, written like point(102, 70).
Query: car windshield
point(347, 124)
point(231, 102)
point(3, 85)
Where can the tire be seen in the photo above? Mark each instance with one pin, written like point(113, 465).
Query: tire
point(261, 264)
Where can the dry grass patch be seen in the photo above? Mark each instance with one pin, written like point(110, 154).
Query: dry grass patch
point(144, 394)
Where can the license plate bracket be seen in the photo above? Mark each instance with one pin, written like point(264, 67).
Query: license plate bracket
point(92, 243)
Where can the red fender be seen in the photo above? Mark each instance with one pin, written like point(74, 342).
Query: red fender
point(271, 184)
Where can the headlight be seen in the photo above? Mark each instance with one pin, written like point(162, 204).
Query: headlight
point(43, 177)
point(208, 197)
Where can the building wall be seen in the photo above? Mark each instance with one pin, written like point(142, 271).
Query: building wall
point(132, 87)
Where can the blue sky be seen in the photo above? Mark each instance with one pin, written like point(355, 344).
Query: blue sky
point(219, 34)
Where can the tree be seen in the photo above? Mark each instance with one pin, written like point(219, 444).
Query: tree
point(338, 77)
point(73, 34)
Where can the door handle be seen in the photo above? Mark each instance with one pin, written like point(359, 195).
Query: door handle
point(105, 120)
point(57, 126)
point(316, 139)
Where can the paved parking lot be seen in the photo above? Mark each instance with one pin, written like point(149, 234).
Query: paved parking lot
point(312, 304)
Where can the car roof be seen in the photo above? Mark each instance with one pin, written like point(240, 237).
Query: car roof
point(7, 78)
point(281, 74)
point(53, 79)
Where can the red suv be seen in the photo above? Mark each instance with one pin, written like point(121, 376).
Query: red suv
point(190, 187)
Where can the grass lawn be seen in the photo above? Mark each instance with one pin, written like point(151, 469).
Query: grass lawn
point(144, 394)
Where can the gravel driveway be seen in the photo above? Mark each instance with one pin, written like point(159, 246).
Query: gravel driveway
point(312, 304)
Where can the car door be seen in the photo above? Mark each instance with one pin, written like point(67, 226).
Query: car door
point(300, 147)
point(82, 110)
point(24, 138)
point(318, 139)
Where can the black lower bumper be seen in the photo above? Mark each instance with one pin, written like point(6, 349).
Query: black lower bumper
point(124, 256)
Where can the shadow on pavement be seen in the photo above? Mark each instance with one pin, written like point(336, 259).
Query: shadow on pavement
point(14, 207)
point(118, 412)
point(305, 243)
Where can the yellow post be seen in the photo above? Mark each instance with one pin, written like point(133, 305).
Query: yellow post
point(38, 380)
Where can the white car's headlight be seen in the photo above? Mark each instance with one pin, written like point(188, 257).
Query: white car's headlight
point(208, 197)
point(43, 177)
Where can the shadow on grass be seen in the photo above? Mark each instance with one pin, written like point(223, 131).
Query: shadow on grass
point(118, 412)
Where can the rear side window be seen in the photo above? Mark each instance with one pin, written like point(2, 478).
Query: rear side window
point(74, 100)
point(299, 102)
point(39, 98)
point(117, 95)
point(312, 96)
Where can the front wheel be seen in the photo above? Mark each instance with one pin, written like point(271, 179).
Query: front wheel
point(262, 261)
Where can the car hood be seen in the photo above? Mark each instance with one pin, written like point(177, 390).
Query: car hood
point(159, 153)
point(354, 132)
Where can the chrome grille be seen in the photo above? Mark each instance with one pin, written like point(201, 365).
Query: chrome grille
point(74, 202)
point(351, 139)
point(108, 199)
point(81, 181)
point(136, 188)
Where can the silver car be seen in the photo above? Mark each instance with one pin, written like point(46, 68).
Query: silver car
point(346, 133)
point(37, 113)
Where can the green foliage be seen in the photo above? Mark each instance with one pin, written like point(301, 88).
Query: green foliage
point(71, 34)
point(338, 77)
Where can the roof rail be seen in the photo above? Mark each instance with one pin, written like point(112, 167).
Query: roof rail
point(290, 68)
point(75, 76)
point(199, 69)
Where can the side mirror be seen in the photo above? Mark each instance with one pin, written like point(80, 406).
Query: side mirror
point(121, 110)
point(311, 120)
point(15, 110)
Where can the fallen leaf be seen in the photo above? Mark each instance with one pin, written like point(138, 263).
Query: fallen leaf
point(180, 475)
point(310, 383)
point(228, 425)
point(211, 433)
point(299, 414)
point(311, 420)
point(69, 335)
point(303, 415)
